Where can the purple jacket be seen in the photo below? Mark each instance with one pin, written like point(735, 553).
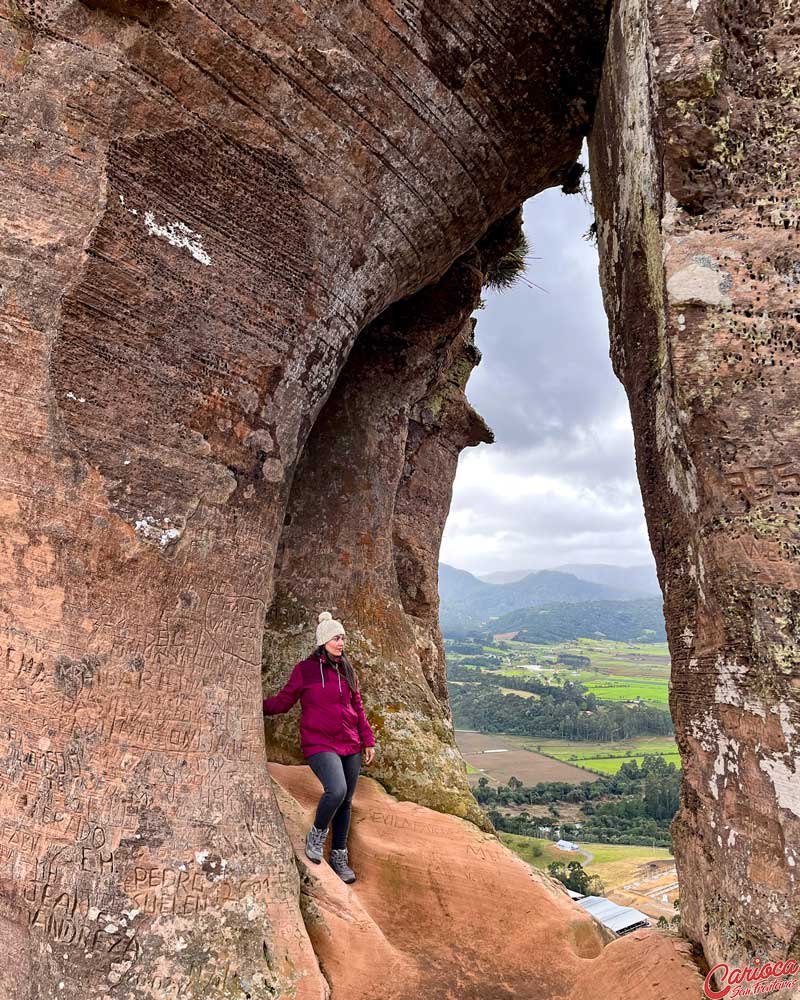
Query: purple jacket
point(331, 714)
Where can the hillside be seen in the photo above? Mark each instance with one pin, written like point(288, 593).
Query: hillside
point(469, 602)
point(625, 621)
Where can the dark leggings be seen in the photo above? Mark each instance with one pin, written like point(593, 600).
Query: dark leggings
point(339, 777)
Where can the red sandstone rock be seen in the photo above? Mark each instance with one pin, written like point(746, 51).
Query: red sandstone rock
point(695, 181)
point(384, 447)
point(442, 909)
point(202, 206)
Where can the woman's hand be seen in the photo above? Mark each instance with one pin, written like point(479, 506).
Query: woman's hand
point(369, 755)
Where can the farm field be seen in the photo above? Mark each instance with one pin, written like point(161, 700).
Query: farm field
point(606, 757)
point(617, 671)
point(521, 694)
point(610, 765)
point(644, 661)
point(616, 688)
point(605, 687)
point(500, 757)
point(617, 865)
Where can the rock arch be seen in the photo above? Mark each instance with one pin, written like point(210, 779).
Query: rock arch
point(225, 226)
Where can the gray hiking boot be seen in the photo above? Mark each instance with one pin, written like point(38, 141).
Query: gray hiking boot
point(315, 841)
point(338, 861)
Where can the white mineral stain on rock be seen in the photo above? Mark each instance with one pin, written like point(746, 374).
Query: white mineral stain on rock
point(702, 281)
point(727, 691)
point(728, 750)
point(179, 235)
point(785, 781)
point(786, 726)
point(679, 468)
point(149, 529)
point(708, 734)
point(705, 731)
point(696, 571)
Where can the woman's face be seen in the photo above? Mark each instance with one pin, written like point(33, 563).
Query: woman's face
point(335, 646)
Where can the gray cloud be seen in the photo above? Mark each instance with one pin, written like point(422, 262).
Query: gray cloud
point(559, 484)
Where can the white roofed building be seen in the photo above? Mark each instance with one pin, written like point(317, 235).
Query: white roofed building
point(619, 919)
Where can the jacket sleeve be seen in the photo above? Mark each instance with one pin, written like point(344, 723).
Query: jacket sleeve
point(287, 696)
point(364, 729)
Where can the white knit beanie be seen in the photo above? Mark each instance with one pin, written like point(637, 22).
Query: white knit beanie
point(328, 627)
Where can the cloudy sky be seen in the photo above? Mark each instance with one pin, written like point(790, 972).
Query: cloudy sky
point(559, 483)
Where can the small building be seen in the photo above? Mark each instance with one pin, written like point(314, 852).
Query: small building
point(619, 919)
point(567, 845)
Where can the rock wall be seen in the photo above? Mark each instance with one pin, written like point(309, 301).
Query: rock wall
point(338, 541)
point(364, 522)
point(203, 204)
point(695, 176)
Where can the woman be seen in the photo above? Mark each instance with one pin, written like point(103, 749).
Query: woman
point(333, 732)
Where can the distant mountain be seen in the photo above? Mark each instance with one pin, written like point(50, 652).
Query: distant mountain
point(458, 584)
point(467, 602)
point(506, 576)
point(624, 621)
point(642, 578)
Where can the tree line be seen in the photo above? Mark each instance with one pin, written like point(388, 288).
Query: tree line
point(563, 711)
point(644, 800)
